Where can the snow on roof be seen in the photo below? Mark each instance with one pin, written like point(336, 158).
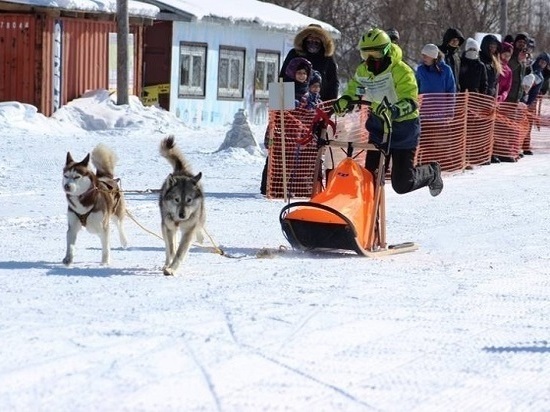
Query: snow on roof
point(135, 8)
point(252, 11)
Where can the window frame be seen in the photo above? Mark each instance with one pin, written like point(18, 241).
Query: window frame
point(269, 56)
point(231, 54)
point(193, 49)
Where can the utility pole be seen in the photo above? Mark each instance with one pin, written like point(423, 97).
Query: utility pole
point(503, 18)
point(123, 30)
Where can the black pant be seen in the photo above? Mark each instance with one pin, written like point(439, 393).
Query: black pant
point(405, 177)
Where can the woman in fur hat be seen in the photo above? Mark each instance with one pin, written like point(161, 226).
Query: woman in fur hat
point(316, 45)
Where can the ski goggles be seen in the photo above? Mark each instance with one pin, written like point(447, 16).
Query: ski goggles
point(374, 52)
point(371, 53)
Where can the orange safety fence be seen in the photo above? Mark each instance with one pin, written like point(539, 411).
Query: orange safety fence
point(459, 131)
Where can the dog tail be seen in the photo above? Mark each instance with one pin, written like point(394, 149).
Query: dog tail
point(104, 159)
point(170, 152)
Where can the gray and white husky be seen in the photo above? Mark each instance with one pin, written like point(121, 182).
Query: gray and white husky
point(181, 203)
point(93, 200)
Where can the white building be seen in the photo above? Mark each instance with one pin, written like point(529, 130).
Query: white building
point(218, 56)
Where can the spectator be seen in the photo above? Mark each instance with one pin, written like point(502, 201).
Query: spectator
point(316, 45)
point(489, 55)
point(530, 97)
point(537, 70)
point(508, 39)
point(314, 92)
point(433, 75)
point(473, 74)
point(517, 65)
point(394, 35)
point(299, 70)
point(383, 75)
point(546, 82)
point(452, 40)
point(505, 79)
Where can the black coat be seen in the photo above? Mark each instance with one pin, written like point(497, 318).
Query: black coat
point(452, 54)
point(473, 75)
point(323, 61)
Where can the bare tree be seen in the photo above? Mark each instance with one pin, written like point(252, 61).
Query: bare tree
point(422, 21)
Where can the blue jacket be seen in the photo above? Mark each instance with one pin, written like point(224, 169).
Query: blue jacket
point(432, 80)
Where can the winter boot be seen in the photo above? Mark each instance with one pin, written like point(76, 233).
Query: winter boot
point(437, 184)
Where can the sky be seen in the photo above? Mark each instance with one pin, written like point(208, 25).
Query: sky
point(461, 324)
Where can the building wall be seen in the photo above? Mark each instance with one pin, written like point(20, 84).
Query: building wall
point(210, 110)
point(18, 58)
point(48, 61)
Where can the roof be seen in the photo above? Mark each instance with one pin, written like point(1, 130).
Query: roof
point(250, 12)
point(135, 8)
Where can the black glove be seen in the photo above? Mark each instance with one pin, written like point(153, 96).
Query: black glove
point(342, 105)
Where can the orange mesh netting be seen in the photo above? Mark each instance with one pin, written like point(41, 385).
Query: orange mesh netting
point(457, 130)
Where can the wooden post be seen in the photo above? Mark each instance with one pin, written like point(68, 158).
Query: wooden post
point(123, 29)
point(283, 145)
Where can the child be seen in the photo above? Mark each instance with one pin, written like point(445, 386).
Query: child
point(299, 69)
point(313, 97)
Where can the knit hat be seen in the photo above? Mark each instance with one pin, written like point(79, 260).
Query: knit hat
point(315, 78)
point(430, 50)
point(471, 44)
point(507, 47)
point(393, 33)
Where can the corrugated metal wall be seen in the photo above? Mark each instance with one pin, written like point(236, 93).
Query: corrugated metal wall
point(84, 56)
point(28, 67)
point(17, 58)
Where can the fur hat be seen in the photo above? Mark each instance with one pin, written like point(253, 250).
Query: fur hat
point(315, 78)
point(507, 47)
point(430, 50)
point(471, 44)
point(317, 31)
point(296, 64)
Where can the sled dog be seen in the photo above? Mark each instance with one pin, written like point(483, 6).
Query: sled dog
point(181, 204)
point(93, 200)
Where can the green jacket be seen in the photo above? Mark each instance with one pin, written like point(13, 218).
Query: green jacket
point(397, 83)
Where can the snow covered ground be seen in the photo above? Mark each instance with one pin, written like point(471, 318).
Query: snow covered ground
point(460, 325)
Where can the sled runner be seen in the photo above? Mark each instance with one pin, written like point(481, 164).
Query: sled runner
point(349, 213)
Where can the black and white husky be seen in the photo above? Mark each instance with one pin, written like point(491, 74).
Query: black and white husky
point(181, 203)
point(93, 200)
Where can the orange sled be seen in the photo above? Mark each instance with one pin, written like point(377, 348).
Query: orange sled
point(349, 214)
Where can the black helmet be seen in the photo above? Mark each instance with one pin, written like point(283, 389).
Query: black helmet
point(393, 33)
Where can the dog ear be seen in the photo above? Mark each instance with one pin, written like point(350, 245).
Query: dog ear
point(171, 179)
point(197, 177)
point(69, 158)
point(86, 160)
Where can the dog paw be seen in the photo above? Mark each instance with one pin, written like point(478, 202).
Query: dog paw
point(168, 271)
point(67, 260)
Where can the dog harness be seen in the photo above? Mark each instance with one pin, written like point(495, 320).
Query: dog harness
point(111, 186)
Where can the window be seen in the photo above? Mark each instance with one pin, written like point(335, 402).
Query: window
point(231, 73)
point(267, 64)
point(192, 69)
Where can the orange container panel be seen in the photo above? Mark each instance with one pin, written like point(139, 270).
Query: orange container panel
point(17, 58)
